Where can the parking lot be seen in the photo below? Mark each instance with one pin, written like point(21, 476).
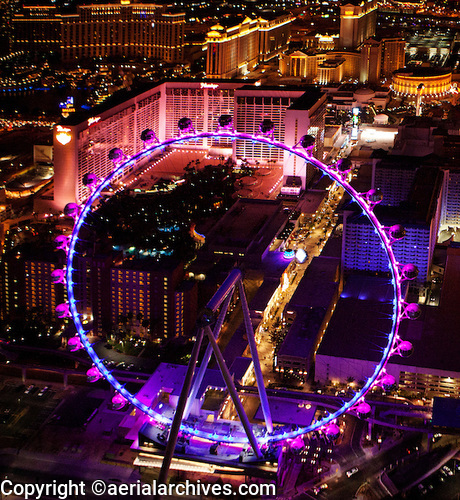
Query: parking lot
point(24, 408)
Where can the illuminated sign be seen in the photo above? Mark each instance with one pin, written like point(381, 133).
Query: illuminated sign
point(93, 120)
point(209, 85)
point(67, 103)
point(63, 135)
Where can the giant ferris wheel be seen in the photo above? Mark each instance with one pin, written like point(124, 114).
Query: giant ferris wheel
point(211, 320)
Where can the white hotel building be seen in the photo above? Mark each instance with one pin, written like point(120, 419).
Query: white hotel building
point(82, 143)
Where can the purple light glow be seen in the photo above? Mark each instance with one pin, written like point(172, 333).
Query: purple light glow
point(336, 175)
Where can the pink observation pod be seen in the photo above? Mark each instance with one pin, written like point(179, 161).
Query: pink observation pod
point(374, 196)
point(308, 143)
point(62, 310)
point(74, 343)
point(332, 432)
point(90, 179)
point(410, 271)
point(185, 126)
point(405, 348)
point(397, 232)
point(118, 401)
point(388, 382)
point(61, 242)
point(413, 310)
point(297, 443)
point(363, 410)
point(93, 374)
point(148, 136)
point(58, 276)
point(225, 122)
point(116, 155)
point(267, 127)
point(71, 210)
point(344, 165)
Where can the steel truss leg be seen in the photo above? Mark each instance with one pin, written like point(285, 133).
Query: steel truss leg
point(207, 356)
point(233, 394)
point(255, 359)
point(175, 426)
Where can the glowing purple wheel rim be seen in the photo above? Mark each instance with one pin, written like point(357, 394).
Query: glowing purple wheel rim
point(335, 174)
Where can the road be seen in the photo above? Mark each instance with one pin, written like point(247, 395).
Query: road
point(345, 487)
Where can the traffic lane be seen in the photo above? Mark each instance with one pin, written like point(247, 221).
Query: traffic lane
point(345, 487)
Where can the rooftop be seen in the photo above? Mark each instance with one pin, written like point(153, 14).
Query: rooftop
point(311, 96)
point(301, 338)
point(247, 229)
point(318, 284)
point(422, 71)
point(361, 320)
point(420, 206)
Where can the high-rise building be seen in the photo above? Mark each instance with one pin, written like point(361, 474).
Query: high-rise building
point(103, 30)
point(305, 116)
point(27, 283)
point(13, 292)
point(394, 176)
point(81, 145)
point(7, 10)
point(358, 19)
point(92, 291)
point(238, 49)
point(451, 207)
point(419, 214)
point(294, 111)
point(393, 55)
point(129, 30)
point(40, 291)
point(371, 58)
point(149, 290)
point(37, 29)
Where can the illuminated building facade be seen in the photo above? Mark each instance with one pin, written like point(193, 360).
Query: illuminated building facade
point(37, 29)
point(426, 82)
point(353, 338)
point(393, 55)
point(358, 19)
point(321, 67)
point(185, 308)
point(362, 250)
point(27, 285)
point(253, 104)
point(102, 30)
point(371, 58)
point(150, 291)
point(375, 58)
point(238, 49)
point(330, 71)
point(451, 205)
point(12, 286)
point(82, 147)
point(299, 64)
point(129, 30)
point(40, 292)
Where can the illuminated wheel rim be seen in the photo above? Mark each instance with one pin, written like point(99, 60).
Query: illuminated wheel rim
point(335, 175)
